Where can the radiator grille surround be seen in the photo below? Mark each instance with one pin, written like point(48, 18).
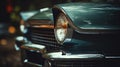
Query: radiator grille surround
point(42, 36)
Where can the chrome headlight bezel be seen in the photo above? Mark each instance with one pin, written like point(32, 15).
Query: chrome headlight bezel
point(61, 28)
point(23, 27)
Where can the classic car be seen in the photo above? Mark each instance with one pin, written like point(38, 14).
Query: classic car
point(73, 35)
point(88, 34)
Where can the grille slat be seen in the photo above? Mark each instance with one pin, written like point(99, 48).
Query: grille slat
point(43, 31)
point(44, 38)
point(44, 35)
point(44, 41)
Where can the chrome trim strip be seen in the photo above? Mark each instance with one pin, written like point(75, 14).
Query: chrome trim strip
point(114, 57)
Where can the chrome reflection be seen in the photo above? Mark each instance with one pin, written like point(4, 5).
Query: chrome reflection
point(59, 55)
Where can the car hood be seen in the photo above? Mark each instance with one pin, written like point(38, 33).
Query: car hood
point(42, 19)
point(92, 16)
point(27, 14)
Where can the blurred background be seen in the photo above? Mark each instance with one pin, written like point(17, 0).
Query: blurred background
point(9, 25)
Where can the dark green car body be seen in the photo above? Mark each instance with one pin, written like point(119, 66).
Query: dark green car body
point(92, 39)
point(96, 26)
point(95, 30)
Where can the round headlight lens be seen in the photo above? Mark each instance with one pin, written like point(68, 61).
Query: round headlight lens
point(61, 28)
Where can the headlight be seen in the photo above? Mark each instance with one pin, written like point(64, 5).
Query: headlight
point(61, 28)
point(23, 27)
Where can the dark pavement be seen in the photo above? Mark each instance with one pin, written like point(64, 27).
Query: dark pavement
point(9, 57)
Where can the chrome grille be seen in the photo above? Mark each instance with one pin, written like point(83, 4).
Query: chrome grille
point(43, 36)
